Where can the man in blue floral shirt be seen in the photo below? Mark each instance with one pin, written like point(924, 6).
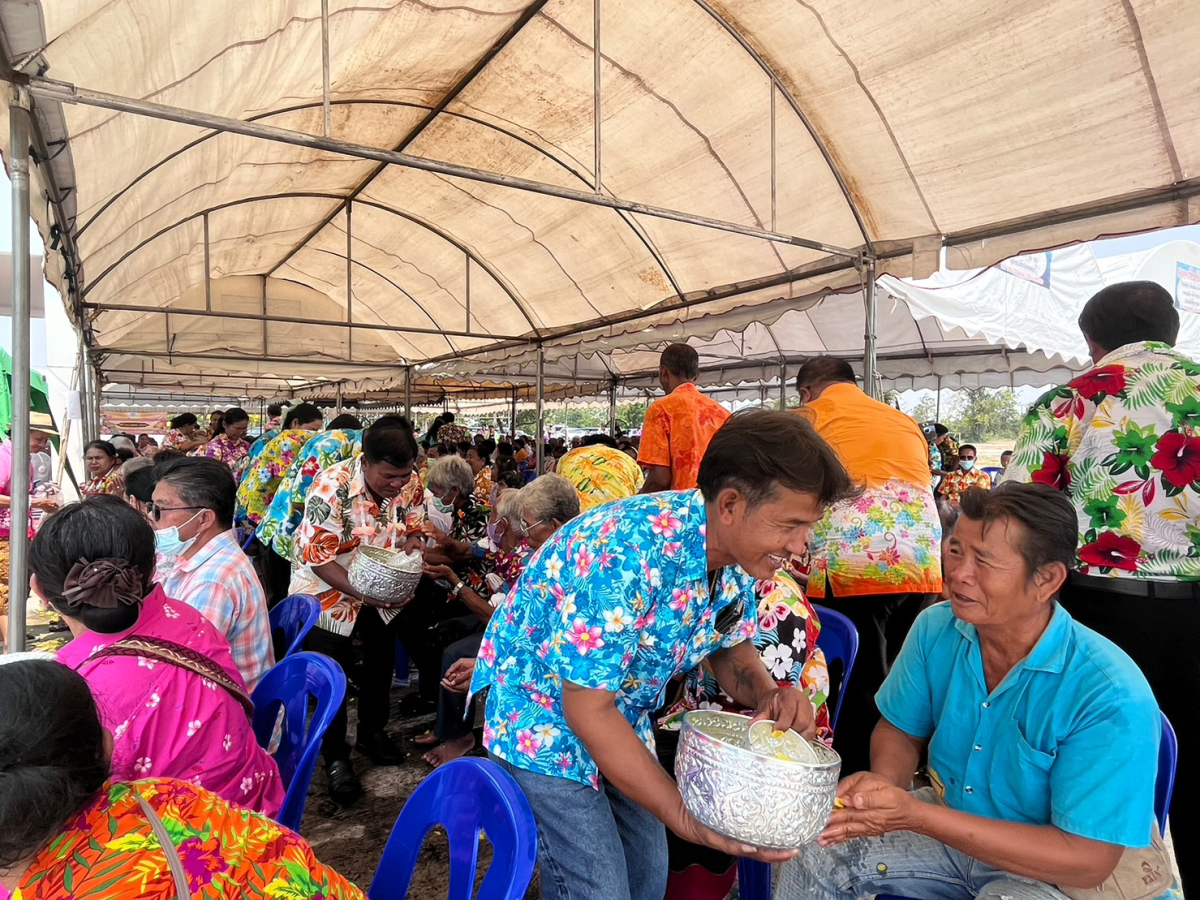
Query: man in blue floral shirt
point(616, 604)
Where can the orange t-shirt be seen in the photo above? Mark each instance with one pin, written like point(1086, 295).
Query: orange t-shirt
point(676, 433)
point(874, 441)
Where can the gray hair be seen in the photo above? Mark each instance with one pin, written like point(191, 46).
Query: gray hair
point(120, 441)
point(451, 472)
point(509, 506)
point(550, 497)
point(132, 465)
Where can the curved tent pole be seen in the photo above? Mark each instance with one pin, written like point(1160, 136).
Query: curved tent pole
point(18, 111)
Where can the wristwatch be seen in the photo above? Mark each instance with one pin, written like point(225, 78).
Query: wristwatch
point(457, 589)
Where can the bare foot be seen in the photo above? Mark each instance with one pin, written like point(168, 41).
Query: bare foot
point(425, 739)
point(442, 754)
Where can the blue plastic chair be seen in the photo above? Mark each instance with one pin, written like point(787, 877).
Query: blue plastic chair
point(1164, 784)
point(466, 797)
point(993, 472)
point(288, 686)
point(295, 616)
point(839, 641)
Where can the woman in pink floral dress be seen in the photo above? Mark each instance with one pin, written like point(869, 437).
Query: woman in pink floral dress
point(163, 677)
point(230, 445)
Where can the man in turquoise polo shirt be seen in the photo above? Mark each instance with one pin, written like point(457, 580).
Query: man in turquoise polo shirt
point(1042, 735)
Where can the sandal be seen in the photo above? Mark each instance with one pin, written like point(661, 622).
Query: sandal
point(426, 739)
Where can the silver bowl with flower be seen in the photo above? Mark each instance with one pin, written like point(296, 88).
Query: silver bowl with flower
point(386, 577)
point(761, 800)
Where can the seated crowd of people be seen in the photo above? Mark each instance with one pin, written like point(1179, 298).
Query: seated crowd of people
point(992, 744)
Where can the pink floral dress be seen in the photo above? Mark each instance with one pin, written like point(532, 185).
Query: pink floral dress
point(168, 722)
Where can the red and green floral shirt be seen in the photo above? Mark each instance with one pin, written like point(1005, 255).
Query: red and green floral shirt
point(1123, 442)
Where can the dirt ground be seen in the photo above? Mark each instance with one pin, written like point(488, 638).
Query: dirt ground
point(352, 840)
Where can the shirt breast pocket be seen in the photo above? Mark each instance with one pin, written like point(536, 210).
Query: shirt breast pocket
point(1021, 788)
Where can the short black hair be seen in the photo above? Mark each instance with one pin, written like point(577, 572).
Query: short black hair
point(463, 448)
point(52, 744)
point(202, 482)
point(681, 360)
point(234, 415)
point(1004, 454)
point(139, 484)
point(964, 447)
point(99, 527)
point(940, 429)
point(1049, 521)
point(504, 448)
point(183, 420)
point(1129, 312)
point(756, 450)
point(301, 413)
point(104, 447)
point(345, 421)
point(389, 444)
point(448, 417)
point(602, 439)
point(824, 370)
point(275, 409)
point(395, 420)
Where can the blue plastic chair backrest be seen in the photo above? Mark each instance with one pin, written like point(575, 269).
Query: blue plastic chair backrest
point(1164, 785)
point(295, 616)
point(839, 641)
point(288, 686)
point(993, 472)
point(465, 797)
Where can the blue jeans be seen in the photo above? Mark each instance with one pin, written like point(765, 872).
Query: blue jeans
point(901, 863)
point(593, 845)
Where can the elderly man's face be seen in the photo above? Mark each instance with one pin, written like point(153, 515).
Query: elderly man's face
point(385, 480)
point(986, 576)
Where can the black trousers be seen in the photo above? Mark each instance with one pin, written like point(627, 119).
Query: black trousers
point(424, 630)
point(454, 720)
point(883, 621)
point(374, 682)
point(1160, 636)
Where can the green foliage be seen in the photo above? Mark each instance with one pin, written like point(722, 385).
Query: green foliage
point(984, 414)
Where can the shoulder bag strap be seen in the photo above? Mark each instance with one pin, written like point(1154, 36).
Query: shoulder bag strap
point(182, 891)
point(180, 656)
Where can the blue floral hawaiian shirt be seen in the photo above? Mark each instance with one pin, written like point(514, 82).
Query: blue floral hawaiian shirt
point(618, 600)
point(287, 508)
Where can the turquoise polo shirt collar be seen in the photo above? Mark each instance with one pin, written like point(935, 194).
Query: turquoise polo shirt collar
point(1049, 654)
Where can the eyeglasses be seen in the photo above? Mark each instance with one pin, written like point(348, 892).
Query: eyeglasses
point(156, 510)
point(523, 527)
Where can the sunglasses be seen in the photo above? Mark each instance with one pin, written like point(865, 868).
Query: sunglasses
point(156, 511)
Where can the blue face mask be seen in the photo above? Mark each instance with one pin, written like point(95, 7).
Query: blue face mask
point(168, 542)
point(967, 464)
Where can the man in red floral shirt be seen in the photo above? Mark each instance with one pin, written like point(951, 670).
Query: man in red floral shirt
point(1122, 442)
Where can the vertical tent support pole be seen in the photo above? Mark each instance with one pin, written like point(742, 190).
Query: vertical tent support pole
point(408, 396)
point(870, 351)
point(783, 385)
point(339, 399)
point(596, 90)
point(349, 281)
point(612, 409)
point(19, 492)
point(513, 431)
point(97, 418)
point(85, 398)
point(541, 406)
point(328, 113)
point(937, 403)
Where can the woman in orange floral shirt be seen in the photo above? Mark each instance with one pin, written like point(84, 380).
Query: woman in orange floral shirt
point(66, 831)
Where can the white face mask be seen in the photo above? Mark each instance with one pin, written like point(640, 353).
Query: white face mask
point(967, 464)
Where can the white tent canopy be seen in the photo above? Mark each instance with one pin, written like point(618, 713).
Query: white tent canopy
point(516, 172)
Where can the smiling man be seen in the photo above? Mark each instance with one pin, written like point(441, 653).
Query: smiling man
point(614, 605)
point(1042, 738)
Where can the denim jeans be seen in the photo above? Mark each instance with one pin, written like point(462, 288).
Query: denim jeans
point(593, 845)
point(901, 863)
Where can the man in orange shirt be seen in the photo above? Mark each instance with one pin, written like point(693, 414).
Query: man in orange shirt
point(678, 427)
point(964, 476)
point(876, 558)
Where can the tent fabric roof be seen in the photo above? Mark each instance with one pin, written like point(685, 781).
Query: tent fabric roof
point(991, 129)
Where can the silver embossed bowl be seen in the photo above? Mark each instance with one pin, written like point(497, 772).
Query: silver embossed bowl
point(387, 577)
point(760, 800)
